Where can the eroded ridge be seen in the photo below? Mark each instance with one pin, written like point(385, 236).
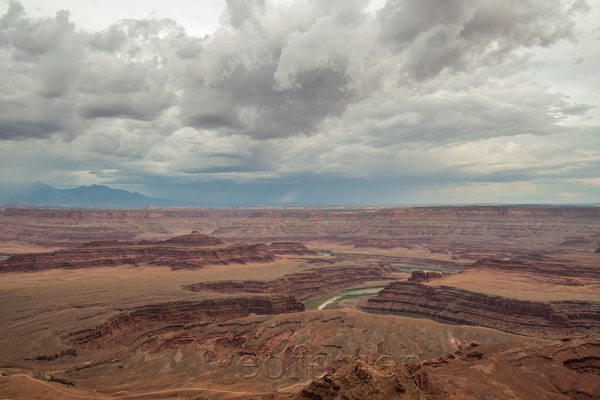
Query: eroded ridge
point(303, 285)
point(127, 326)
point(550, 319)
point(188, 251)
point(569, 370)
point(560, 270)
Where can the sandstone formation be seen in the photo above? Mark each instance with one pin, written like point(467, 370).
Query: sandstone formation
point(303, 285)
point(549, 224)
point(568, 370)
point(142, 354)
point(188, 251)
point(462, 231)
point(552, 319)
point(129, 325)
point(407, 261)
point(418, 275)
point(294, 248)
point(71, 228)
point(544, 268)
point(367, 377)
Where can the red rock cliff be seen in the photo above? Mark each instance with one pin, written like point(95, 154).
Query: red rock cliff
point(187, 251)
point(294, 248)
point(552, 319)
point(128, 325)
point(556, 269)
point(303, 285)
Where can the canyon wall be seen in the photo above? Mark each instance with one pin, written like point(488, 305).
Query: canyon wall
point(187, 251)
point(70, 228)
point(303, 285)
point(418, 275)
point(566, 269)
point(384, 228)
point(552, 319)
point(548, 224)
point(292, 248)
point(129, 325)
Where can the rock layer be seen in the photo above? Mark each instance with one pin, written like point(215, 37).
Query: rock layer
point(364, 378)
point(552, 319)
point(418, 275)
point(464, 232)
point(568, 370)
point(544, 268)
point(294, 248)
point(303, 285)
point(129, 325)
point(479, 223)
point(71, 228)
point(187, 251)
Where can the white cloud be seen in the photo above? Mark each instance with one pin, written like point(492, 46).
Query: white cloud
point(431, 92)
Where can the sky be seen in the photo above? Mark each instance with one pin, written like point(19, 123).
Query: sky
point(248, 102)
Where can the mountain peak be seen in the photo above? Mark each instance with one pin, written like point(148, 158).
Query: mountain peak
point(95, 195)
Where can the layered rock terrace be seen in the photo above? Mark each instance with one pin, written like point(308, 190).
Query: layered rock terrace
point(126, 326)
point(303, 285)
point(188, 251)
point(538, 267)
point(551, 319)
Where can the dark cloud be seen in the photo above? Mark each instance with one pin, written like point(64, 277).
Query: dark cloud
point(301, 87)
point(270, 71)
point(465, 34)
point(16, 130)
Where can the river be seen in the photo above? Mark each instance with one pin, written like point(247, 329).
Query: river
point(319, 303)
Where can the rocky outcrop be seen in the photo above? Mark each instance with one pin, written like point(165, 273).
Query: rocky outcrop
point(303, 285)
point(187, 251)
point(418, 275)
point(568, 370)
point(544, 268)
point(127, 326)
point(427, 263)
point(194, 239)
point(294, 248)
point(552, 319)
point(367, 377)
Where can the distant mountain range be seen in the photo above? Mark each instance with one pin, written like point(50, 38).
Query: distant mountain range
point(38, 193)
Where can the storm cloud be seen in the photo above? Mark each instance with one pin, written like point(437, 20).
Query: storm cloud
point(329, 88)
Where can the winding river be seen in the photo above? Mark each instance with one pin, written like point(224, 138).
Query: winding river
point(319, 303)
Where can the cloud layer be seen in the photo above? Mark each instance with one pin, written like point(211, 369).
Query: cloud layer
point(303, 91)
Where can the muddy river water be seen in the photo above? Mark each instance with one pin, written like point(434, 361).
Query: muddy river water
point(319, 303)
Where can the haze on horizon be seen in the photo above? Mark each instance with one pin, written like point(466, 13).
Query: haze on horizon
point(305, 101)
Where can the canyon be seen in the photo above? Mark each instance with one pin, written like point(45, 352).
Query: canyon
point(479, 225)
point(130, 304)
point(188, 251)
point(465, 231)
